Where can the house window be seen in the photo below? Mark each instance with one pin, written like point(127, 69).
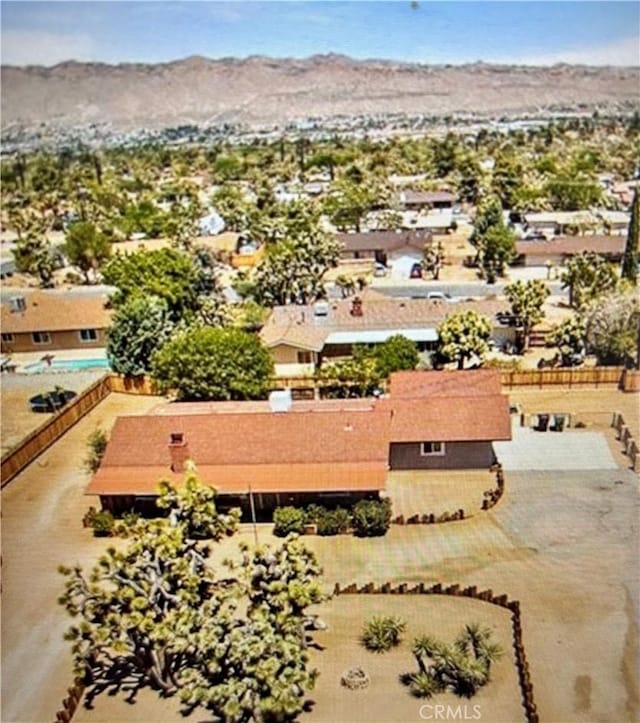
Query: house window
point(88, 335)
point(41, 337)
point(305, 357)
point(432, 449)
point(7, 337)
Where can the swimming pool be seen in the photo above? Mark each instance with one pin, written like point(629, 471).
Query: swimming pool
point(67, 365)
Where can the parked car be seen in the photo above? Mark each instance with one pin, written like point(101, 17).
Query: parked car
point(380, 270)
point(416, 271)
point(442, 295)
point(534, 236)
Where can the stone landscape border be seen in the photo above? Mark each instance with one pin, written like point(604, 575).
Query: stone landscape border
point(522, 665)
point(623, 433)
point(490, 499)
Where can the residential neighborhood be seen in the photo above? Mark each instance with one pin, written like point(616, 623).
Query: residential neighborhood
point(331, 418)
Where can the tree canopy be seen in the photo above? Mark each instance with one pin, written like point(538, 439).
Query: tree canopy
point(612, 326)
point(138, 327)
point(494, 241)
point(464, 335)
point(527, 299)
point(154, 613)
point(630, 259)
point(87, 248)
point(203, 363)
point(587, 275)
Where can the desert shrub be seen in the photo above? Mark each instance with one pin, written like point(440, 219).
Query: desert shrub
point(96, 446)
point(382, 633)
point(333, 522)
point(313, 513)
point(103, 523)
point(424, 685)
point(462, 667)
point(287, 520)
point(371, 518)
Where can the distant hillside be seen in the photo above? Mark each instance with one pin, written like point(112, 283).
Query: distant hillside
point(260, 91)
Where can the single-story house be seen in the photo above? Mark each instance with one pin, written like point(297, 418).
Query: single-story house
point(616, 223)
point(331, 451)
point(555, 223)
point(380, 245)
point(50, 320)
point(298, 334)
point(419, 200)
point(562, 248)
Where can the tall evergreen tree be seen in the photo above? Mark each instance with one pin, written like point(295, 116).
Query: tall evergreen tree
point(630, 258)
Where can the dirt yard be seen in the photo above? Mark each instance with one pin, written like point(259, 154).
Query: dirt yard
point(386, 700)
point(16, 390)
point(563, 543)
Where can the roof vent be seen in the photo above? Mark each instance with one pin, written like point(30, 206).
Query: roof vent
point(176, 438)
point(280, 400)
point(17, 303)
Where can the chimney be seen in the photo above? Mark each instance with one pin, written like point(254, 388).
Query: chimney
point(356, 306)
point(178, 451)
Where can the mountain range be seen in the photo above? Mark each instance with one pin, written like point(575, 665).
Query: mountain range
point(260, 91)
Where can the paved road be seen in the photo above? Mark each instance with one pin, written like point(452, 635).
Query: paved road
point(471, 288)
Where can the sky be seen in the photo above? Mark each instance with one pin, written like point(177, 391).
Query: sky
point(584, 31)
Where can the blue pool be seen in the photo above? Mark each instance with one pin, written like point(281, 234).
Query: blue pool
point(67, 365)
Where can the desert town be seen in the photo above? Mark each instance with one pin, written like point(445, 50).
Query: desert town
point(324, 424)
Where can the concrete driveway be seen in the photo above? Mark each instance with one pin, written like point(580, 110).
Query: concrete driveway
point(567, 450)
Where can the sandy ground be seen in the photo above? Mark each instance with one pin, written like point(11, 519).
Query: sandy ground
point(564, 543)
point(16, 390)
point(42, 510)
point(386, 699)
point(430, 491)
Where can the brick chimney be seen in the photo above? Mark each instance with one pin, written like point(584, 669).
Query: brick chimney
point(178, 451)
point(356, 306)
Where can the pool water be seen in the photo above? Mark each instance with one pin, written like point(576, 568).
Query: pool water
point(67, 365)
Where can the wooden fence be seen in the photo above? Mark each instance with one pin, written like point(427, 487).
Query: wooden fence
point(47, 433)
point(593, 376)
point(522, 665)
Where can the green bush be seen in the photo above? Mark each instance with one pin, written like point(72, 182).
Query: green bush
point(333, 522)
point(313, 513)
point(102, 523)
point(287, 520)
point(371, 518)
point(382, 633)
point(96, 446)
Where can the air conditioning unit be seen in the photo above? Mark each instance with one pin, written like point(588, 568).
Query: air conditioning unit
point(280, 400)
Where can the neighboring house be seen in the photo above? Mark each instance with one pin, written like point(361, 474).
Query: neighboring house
point(423, 200)
point(556, 223)
point(616, 223)
point(283, 452)
point(562, 248)
point(46, 321)
point(381, 245)
point(298, 334)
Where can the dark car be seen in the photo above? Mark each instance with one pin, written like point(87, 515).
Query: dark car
point(416, 271)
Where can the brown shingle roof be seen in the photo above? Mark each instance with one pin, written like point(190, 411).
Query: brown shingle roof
point(298, 325)
point(384, 240)
point(418, 197)
point(53, 311)
point(474, 382)
point(450, 419)
point(235, 479)
point(333, 445)
point(571, 245)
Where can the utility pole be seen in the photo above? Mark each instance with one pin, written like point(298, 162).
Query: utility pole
point(253, 516)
